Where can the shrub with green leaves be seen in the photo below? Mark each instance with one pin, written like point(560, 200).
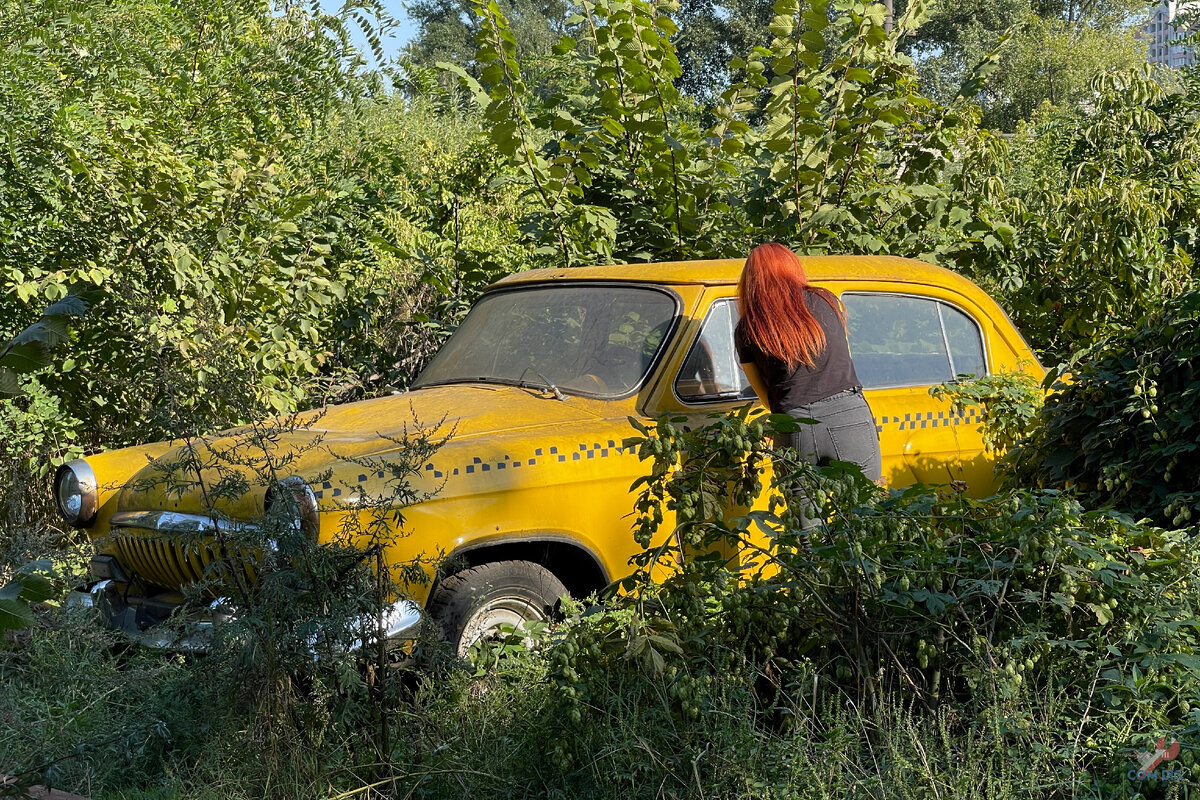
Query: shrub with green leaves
point(823, 140)
point(296, 660)
point(1008, 404)
point(166, 154)
point(932, 599)
point(1124, 430)
point(442, 225)
point(1101, 206)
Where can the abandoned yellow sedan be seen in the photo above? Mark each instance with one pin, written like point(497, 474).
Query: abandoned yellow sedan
point(530, 495)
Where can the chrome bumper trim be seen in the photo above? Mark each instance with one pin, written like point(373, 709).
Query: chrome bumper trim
point(174, 522)
point(196, 636)
point(400, 621)
point(89, 599)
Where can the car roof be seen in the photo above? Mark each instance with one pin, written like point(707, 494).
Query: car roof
point(727, 271)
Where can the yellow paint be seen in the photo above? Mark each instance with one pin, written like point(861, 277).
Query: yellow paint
point(522, 465)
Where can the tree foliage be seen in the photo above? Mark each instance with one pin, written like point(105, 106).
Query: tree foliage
point(1124, 430)
point(825, 143)
point(1048, 51)
point(446, 29)
point(1103, 208)
point(156, 151)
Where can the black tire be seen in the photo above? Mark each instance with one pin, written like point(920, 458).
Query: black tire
point(468, 606)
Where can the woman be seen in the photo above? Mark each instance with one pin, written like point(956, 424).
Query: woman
point(791, 340)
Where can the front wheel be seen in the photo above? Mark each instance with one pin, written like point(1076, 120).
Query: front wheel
point(472, 605)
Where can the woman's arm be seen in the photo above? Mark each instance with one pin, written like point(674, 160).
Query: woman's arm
point(760, 386)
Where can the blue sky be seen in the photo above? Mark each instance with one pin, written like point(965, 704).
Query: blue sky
point(392, 43)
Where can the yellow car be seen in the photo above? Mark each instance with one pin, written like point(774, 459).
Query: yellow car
point(531, 495)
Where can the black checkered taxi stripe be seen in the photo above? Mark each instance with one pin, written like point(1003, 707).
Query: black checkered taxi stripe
point(930, 419)
point(541, 456)
point(584, 451)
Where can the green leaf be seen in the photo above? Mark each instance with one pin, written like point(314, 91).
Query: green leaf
point(813, 42)
point(858, 74)
point(14, 614)
point(612, 126)
point(664, 644)
point(9, 384)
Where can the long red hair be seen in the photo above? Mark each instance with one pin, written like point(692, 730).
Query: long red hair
point(774, 315)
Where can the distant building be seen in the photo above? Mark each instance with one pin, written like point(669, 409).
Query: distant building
point(1164, 31)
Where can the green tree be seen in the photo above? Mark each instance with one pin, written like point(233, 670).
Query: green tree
point(711, 35)
point(1048, 51)
point(446, 29)
point(444, 226)
point(826, 146)
point(163, 153)
point(1101, 209)
point(1125, 430)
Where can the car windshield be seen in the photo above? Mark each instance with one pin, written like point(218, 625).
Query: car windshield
point(597, 340)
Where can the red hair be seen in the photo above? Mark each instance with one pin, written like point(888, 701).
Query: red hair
point(774, 312)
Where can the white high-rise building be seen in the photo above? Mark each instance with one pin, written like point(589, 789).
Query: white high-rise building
point(1164, 30)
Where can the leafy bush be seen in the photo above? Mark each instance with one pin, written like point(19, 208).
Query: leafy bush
point(442, 226)
point(1125, 429)
point(165, 153)
point(938, 600)
point(1008, 404)
point(920, 645)
point(296, 669)
point(33, 425)
point(1101, 208)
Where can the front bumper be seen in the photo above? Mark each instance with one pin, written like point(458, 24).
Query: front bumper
point(152, 622)
point(144, 619)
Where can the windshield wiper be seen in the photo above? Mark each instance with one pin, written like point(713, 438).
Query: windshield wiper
point(472, 379)
point(546, 384)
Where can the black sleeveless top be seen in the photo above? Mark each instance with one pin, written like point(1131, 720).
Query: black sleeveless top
point(831, 373)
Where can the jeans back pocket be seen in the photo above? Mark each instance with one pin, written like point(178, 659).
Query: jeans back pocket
point(856, 443)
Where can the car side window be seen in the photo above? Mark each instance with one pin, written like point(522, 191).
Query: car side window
point(711, 372)
point(901, 340)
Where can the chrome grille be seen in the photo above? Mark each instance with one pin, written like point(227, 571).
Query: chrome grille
point(176, 550)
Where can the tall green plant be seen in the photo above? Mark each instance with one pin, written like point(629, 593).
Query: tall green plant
point(33, 425)
point(847, 155)
point(614, 166)
point(162, 153)
point(824, 142)
point(1102, 211)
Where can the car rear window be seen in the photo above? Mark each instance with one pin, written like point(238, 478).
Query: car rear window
point(902, 340)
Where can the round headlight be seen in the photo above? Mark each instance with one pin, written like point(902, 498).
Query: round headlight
point(77, 493)
point(293, 500)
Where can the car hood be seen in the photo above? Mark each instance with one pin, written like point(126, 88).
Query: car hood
point(461, 410)
point(230, 470)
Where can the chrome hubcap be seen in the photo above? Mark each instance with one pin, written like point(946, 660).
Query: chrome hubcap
point(485, 623)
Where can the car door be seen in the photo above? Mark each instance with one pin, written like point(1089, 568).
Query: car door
point(903, 342)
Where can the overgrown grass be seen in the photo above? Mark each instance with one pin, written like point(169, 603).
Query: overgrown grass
point(83, 713)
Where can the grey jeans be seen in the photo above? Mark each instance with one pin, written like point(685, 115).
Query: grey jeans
point(845, 431)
